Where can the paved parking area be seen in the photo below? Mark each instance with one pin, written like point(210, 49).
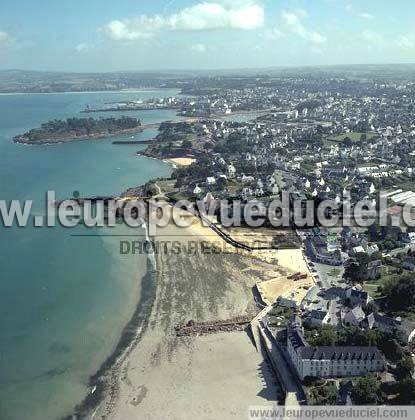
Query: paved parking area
point(328, 293)
point(329, 275)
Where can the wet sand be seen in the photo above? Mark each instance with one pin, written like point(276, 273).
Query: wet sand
point(205, 377)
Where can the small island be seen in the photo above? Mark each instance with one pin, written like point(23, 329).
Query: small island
point(74, 129)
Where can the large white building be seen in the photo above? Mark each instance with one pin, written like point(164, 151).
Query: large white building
point(330, 361)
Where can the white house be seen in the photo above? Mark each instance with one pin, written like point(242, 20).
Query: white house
point(197, 190)
point(210, 180)
point(231, 171)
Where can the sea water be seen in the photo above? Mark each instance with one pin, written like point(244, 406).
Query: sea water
point(64, 299)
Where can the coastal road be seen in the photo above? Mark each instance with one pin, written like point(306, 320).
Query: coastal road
point(278, 357)
point(282, 365)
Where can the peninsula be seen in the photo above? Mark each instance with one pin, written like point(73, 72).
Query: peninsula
point(74, 129)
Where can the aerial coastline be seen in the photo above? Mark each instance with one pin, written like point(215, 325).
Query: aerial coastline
point(111, 387)
point(182, 295)
point(191, 320)
point(207, 210)
point(149, 339)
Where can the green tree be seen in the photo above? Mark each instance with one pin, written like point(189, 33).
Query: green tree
point(366, 391)
point(400, 292)
point(324, 394)
point(327, 336)
point(347, 142)
point(404, 368)
point(406, 389)
point(354, 336)
point(356, 270)
point(390, 347)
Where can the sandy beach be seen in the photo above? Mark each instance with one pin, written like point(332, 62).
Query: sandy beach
point(205, 377)
point(290, 261)
point(182, 161)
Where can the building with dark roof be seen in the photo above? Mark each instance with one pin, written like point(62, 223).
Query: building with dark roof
point(330, 361)
point(357, 297)
point(382, 322)
point(316, 249)
point(316, 318)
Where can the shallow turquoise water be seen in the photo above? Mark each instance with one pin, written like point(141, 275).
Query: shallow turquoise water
point(63, 299)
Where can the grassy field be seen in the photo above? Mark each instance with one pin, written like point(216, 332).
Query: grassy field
point(354, 136)
point(372, 286)
point(334, 272)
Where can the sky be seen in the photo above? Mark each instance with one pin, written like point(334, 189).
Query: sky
point(101, 35)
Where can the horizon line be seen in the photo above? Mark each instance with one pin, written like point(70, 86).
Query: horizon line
point(201, 70)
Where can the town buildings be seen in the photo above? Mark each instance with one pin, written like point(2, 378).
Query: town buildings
point(330, 361)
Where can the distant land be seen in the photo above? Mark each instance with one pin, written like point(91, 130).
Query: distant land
point(28, 81)
point(74, 129)
point(22, 81)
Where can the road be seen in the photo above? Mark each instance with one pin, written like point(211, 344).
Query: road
point(283, 366)
point(279, 359)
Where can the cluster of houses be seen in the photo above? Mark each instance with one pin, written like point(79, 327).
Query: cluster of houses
point(339, 361)
point(340, 307)
point(229, 100)
point(323, 247)
point(319, 172)
point(348, 307)
point(353, 314)
point(324, 139)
